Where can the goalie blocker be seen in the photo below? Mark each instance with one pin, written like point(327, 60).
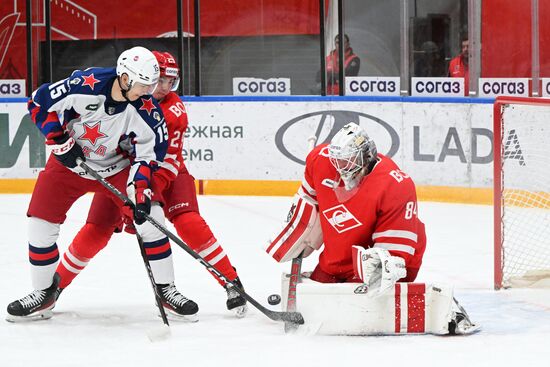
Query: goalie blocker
point(301, 232)
point(405, 308)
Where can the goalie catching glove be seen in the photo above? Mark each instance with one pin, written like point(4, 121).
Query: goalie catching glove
point(140, 195)
point(377, 268)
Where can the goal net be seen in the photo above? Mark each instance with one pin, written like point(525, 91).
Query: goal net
point(522, 192)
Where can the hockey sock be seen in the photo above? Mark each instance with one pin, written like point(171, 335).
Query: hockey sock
point(192, 228)
point(87, 243)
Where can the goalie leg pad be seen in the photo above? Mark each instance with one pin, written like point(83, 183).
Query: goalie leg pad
point(406, 308)
point(301, 233)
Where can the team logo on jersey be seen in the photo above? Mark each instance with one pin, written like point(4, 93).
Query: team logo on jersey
point(156, 116)
point(90, 81)
point(147, 105)
point(92, 133)
point(340, 218)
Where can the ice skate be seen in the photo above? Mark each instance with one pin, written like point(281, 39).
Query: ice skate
point(236, 302)
point(37, 305)
point(460, 323)
point(177, 306)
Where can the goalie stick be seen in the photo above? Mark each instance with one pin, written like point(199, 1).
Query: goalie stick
point(291, 317)
point(296, 268)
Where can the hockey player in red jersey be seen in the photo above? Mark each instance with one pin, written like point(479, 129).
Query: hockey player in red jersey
point(174, 187)
point(367, 215)
point(363, 208)
point(84, 117)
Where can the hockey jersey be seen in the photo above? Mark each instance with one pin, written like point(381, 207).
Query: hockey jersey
point(82, 105)
point(177, 122)
point(382, 212)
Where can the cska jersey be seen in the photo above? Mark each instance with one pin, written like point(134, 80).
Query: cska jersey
point(82, 105)
point(176, 121)
point(381, 213)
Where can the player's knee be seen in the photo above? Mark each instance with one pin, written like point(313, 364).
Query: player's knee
point(42, 233)
point(193, 229)
point(91, 239)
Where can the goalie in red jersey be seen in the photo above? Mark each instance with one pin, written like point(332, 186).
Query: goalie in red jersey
point(174, 188)
point(363, 208)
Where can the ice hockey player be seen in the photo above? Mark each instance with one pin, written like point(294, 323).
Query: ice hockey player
point(84, 117)
point(364, 209)
point(174, 188)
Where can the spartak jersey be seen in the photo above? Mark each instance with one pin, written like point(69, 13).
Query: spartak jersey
point(382, 213)
point(176, 121)
point(82, 105)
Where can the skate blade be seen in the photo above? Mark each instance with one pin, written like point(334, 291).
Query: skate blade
point(240, 311)
point(40, 315)
point(172, 316)
point(472, 329)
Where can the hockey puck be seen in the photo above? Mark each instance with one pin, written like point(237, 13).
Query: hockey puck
point(274, 299)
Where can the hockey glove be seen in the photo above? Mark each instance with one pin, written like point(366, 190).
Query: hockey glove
point(66, 150)
point(377, 268)
point(140, 194)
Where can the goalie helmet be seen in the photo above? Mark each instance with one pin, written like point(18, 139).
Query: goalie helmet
point(140, 65)
point(168, 67)
point(352, 152)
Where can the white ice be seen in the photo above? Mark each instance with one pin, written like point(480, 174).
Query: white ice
point(104, 318)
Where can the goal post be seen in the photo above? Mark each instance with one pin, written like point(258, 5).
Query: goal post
point(521, 192)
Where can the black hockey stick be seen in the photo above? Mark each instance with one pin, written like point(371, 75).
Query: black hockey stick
point(292, 317)
point(152, 279)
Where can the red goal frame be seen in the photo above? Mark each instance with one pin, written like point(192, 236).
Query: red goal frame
point(497, 176)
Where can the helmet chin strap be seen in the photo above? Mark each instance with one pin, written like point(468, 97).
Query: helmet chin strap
point(122, 90)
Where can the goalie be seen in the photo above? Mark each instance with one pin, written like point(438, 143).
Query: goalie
point(363, 208)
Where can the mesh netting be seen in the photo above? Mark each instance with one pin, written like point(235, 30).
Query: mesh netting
point(525, 194)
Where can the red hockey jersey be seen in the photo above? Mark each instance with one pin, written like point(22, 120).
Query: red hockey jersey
point(381, 213)
point(176, 121)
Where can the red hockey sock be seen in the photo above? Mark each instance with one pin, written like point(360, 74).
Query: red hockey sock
point(194, 231)
point(87, 243)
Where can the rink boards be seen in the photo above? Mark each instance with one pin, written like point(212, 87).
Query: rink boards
point(257, 145)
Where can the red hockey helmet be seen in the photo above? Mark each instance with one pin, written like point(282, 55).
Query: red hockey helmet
point(168, 67)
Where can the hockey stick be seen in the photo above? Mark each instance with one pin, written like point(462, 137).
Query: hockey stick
point(152, 279)
point(296, 268)
point(292, 317)
point(295, 271)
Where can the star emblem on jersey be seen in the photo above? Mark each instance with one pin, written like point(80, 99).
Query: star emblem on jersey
point(340, 218)
point(92, 133)
point(147, 105)
point(90, 81)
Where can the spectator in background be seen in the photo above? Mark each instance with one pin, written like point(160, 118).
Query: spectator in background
point(352, 64)
point(458, 67)
point(429, 62)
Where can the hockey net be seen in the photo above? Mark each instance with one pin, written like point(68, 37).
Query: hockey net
point(522, 192)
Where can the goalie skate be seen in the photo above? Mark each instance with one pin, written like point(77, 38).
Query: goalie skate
point(37, 305)
point(460, 323)
point(177, 306)
point(236, 302)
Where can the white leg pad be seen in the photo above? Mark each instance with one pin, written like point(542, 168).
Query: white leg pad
point(347, 309)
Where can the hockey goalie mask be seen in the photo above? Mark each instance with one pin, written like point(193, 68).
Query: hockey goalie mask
point(169, 69)
point(141, 66)
point(351, 151)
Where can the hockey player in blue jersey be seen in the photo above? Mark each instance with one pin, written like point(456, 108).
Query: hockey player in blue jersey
point(86, 116)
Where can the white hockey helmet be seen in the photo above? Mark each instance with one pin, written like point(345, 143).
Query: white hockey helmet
point(140, 65)
point(351, 152)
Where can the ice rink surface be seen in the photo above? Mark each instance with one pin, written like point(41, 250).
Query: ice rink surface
point(104, 318)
